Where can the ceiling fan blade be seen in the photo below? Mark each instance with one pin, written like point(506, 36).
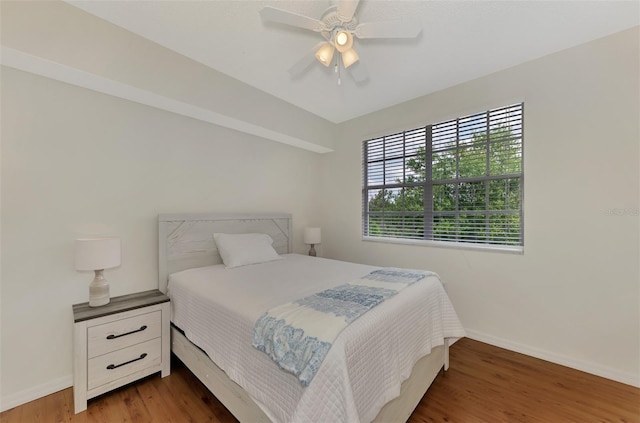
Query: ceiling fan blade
point(305, 61)
point(358, 72)
point(273, 14)
point(389, 29)
point(346, 9)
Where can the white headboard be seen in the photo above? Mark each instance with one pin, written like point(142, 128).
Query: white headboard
point(185, 241)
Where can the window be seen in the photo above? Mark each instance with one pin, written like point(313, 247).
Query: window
point(459, 181)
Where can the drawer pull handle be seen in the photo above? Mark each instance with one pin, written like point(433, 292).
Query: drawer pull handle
point(128, 333)
point(115, 366)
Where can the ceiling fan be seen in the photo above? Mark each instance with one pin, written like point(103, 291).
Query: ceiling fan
point(338, 25)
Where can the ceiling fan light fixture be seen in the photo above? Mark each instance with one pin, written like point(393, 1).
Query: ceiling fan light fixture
point(338, 25)
point(325, 54)
point(349, 57)
point(343, 40)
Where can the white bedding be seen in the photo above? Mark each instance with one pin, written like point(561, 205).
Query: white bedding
point(218, 307)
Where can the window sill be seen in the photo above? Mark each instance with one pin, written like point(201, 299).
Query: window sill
point(509, 249)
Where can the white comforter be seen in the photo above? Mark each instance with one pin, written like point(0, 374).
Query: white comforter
point(218, 307)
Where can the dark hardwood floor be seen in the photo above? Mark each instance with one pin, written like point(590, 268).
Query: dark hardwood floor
point(483, 384)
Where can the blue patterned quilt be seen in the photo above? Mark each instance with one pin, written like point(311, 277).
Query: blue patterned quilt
point(298, 335)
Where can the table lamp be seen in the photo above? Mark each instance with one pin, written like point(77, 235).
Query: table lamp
point(312, 236)
point(98, 254)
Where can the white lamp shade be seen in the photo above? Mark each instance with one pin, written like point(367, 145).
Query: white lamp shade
point(97, 253)
point(312, 236)
point(325, 54)
point(349, 57)
point(343, 41)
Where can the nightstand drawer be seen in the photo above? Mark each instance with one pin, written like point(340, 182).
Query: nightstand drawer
point(123, 333)
point(109, 367)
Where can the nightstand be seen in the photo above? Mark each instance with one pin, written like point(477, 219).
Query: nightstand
point(119, 343)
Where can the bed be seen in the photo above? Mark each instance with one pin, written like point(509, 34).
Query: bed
point(211, 328)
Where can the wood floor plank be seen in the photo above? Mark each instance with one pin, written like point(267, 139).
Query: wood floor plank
point(166, 389)
point(489, 384)
point(484, 384)
point(71, 417)
point(153, 402)
point(189, 393)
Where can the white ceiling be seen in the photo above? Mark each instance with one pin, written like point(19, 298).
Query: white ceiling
point(460, 41)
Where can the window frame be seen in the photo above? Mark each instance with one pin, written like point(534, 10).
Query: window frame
point(428, 213)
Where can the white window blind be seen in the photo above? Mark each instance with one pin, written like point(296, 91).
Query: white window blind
point(457, 181)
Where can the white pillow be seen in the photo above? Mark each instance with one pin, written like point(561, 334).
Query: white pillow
point(243, 249)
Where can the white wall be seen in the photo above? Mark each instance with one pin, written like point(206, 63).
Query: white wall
point(573, 296)
point(76, 162)
point(56, 39)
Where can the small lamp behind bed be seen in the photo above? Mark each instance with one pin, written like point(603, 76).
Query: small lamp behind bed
point(312, 236)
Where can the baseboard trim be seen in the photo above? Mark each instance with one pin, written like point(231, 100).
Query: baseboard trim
point(36, 392)
point(584, 366)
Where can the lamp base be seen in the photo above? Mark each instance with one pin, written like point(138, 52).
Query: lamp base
point(99, 290)
point(312, 251)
